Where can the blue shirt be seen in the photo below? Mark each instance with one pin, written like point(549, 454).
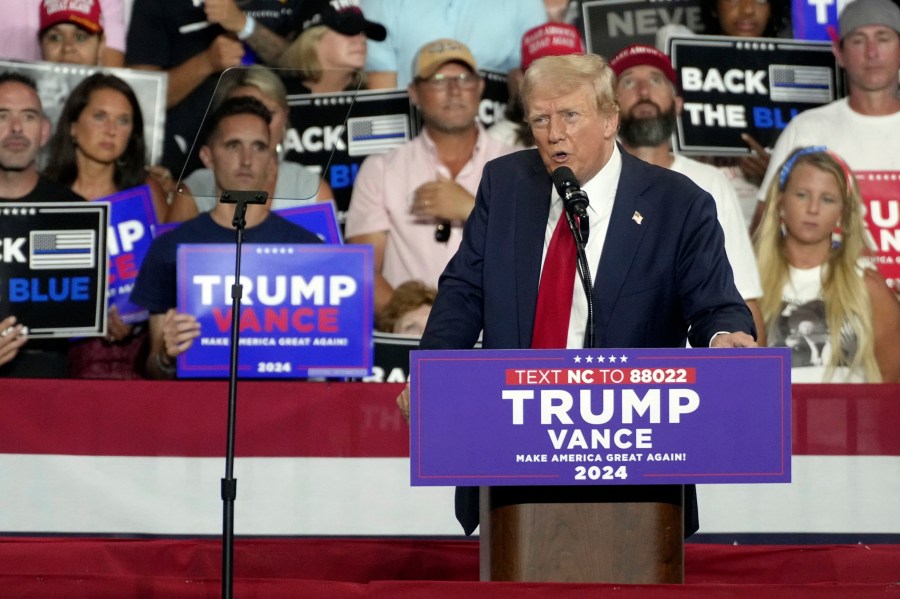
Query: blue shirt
point(491, 29)
point(156, 287)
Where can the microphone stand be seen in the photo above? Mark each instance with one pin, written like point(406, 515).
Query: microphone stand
point(580, 229)
point(241, 199)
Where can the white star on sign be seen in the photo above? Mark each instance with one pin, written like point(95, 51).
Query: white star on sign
point(577, 359)
point(589, 359)
point(612, 359)
point(623, 359)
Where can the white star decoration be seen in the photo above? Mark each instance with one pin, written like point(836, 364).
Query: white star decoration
point(274, 250)
point(600, 359)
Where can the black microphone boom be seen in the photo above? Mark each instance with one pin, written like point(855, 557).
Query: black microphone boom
point(573, 197)
point(575, 200)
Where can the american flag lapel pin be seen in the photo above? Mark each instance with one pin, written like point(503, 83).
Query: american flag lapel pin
point(637, 217)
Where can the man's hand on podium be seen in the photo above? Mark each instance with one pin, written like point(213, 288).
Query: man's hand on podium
point(739, 339)
point(403, 403)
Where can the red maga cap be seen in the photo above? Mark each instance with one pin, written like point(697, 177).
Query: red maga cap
point(84, 13)
point(640, 55)
point(550, 39)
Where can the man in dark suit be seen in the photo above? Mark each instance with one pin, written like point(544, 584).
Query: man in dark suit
point(655, 249)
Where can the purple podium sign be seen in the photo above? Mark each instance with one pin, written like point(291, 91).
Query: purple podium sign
point(600, 416)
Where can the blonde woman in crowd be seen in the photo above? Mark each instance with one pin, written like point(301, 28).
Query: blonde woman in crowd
point(331, 52)
point(821, 296)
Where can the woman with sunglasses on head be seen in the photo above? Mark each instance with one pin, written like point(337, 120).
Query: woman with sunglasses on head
point(822, 298)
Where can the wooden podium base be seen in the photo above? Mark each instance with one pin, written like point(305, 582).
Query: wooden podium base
point(565, 539)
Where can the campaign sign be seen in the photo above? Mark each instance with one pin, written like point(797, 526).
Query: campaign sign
point(600, 416)
point(747, 85)
point(53, 267)
point(376, 121)
point(392, 357)
point(812, 18)
point(306, 309)
point(55, 82)
point(318, 218)
point(880, 191)
point(132, 222)
point(495, 97)
point(610, 25)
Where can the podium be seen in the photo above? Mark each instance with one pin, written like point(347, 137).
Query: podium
point(542, 539)
point(585, 473)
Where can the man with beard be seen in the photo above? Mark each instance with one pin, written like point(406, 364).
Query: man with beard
point(410, 204)
point(23, 131)
point(649, 103)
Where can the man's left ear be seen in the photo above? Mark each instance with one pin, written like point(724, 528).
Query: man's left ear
point(612, 126)
point(205, 157)
point(679, 104)
point(838, 54)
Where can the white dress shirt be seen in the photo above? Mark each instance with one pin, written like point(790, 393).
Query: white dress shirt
point(601, 192)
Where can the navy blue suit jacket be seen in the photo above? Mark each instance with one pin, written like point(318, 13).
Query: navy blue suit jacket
point(659, 281)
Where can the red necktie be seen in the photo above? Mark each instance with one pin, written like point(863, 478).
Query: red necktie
point(554, 303)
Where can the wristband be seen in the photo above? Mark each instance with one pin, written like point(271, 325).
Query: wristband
point(164, 367)
point(249, 27)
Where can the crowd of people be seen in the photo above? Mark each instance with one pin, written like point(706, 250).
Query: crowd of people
point(806, 278)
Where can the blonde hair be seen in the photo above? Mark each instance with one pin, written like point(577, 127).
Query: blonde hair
point(846, 298)
point(567, 73)
point(303, 55)
point(260, 77)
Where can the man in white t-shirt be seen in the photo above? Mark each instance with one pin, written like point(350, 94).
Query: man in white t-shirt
point(864, 127)
point(649, 104)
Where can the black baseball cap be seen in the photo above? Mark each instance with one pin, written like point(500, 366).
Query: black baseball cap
point(343, 16)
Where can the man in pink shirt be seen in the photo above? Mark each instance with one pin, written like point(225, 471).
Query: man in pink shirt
point(410, 203)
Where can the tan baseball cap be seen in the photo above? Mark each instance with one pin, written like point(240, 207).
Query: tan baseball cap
point(433, 55)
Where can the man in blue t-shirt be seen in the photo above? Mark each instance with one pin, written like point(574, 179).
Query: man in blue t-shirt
point(239, 153)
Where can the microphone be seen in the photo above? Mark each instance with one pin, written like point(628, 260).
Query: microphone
point(442, 231)
point(575, 200)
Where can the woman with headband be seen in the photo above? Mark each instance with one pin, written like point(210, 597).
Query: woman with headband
point(822, 298)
